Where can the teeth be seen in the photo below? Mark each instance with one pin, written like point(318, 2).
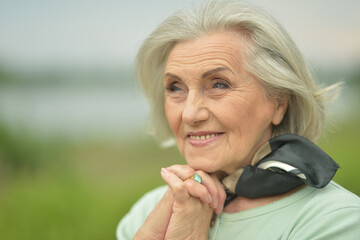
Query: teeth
point(203, 137)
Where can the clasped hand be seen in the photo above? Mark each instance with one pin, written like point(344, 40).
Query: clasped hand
point(187, 207)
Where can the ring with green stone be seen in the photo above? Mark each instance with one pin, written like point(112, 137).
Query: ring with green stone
point(196, 177)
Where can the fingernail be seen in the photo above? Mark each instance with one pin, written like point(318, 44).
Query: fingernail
point(164, 170)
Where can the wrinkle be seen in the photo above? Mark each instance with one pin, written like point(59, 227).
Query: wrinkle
point(220, 55)
point(239, 109)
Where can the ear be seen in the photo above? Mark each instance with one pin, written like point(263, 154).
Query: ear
point(280, 109)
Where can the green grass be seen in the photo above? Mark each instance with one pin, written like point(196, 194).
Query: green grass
point(82, 195)
point(344, 147)
point(82, 190)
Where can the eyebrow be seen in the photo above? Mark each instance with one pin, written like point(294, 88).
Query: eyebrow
point(173, 76)
point(204, 75)
point(212, 71)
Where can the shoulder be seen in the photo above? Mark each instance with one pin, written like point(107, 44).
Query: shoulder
point(330, 212)
point(132, 221)
point(334, 197)
point(331, 201)
point(341, 192)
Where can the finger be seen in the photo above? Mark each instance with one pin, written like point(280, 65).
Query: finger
point(209, 183)
point(221, 194)
point(182, 171)
point(198, 190)
point(176, 185)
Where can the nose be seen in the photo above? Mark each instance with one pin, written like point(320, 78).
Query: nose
point(195, 110)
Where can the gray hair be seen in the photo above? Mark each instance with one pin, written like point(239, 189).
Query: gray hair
point(272, 57)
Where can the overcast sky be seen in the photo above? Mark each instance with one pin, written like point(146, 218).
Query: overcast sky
point(43, 33)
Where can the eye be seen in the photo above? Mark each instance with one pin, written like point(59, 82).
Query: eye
point(218, 87)
point(221, 84)
point(174, 87)
point(176, 90)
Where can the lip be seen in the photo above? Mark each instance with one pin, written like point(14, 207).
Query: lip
point(203, 142)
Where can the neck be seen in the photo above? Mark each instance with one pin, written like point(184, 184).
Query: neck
point(241, 203)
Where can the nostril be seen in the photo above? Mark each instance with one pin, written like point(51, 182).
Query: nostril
point(193, 113)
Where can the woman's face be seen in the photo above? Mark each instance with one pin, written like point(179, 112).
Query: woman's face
point(217, 110)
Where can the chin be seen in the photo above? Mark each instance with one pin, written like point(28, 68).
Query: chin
point(202, 164)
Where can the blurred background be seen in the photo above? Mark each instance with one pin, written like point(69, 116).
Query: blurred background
point(74, 154)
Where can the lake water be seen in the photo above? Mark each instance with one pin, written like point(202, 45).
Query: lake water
point(75, 111)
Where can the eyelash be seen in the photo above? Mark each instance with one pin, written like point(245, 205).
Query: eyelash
point(172, 87)
point(221, 82)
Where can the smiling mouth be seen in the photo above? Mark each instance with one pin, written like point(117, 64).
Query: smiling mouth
point(204, 137)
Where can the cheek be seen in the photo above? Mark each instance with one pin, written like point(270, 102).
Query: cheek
point(233, 113)
point(246, 116)
point(173, 116)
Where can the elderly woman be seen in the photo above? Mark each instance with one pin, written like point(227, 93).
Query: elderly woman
point(227, 82)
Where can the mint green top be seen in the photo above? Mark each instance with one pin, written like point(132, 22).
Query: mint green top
point(328, 213)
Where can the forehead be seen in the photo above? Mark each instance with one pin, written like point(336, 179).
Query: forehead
point(217, 49)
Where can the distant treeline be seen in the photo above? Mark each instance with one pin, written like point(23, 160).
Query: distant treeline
point(123, 76)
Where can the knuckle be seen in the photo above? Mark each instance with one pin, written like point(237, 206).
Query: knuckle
point(174, 166)
point(203, 192)
point(178, 187)
point(190, 183)
point(185, 167)
point(189, 171)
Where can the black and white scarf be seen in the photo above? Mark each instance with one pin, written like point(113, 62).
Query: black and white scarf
point(281, 164)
